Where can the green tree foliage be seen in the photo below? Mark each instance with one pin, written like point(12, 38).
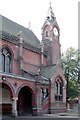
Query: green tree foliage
point(70, 64)
point(73, 89)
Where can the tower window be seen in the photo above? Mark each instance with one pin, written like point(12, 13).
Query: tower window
point(6, 60)
point(45, 93)
point(42, 94)
point(46, 33)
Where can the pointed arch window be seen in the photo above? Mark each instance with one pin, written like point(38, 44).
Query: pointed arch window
point(44, 93)
point(6, 60)
point(58, 90)
point(47, 34)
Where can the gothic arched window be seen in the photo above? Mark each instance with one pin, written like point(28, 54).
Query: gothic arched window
point(47, 34)
point(58, 90)
point(44, 93)
point(6, 60)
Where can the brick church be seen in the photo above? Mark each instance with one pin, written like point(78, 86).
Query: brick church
point(31, 78)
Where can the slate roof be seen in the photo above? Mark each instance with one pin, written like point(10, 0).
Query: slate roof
point(13, 28)
point(48, 71)
point(46, 42)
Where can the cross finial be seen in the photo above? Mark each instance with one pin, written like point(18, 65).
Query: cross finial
point(50, 4)
point(29, 25)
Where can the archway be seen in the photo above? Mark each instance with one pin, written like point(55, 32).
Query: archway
point(6, 94)
point(24, 105)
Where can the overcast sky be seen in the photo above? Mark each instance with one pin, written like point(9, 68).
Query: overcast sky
point(35, 11)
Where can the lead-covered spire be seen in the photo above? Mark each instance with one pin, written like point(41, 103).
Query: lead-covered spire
point(50, 14)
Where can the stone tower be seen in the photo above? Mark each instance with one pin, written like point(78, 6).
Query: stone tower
point(50, 38)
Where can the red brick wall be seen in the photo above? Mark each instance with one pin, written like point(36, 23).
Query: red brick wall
point(45, 106)
point(31, 57)
point(72, 103)
point(28, 57)
point(46, 28)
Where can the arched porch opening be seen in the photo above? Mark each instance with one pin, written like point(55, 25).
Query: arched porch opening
point(25, 101)
point(6, 103)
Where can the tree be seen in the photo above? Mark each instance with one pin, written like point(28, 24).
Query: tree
point(73, 89)
point(70, 64)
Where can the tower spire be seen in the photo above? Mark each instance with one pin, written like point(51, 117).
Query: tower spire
point(50, 14)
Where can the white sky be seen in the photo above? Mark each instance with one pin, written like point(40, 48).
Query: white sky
point(66, 12)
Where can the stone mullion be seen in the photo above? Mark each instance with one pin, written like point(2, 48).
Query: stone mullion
point(38, 108)
point(64, 94)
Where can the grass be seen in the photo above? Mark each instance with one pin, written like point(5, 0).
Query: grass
point(70, 114)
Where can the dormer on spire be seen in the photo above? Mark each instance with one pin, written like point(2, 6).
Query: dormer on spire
point(50, 14)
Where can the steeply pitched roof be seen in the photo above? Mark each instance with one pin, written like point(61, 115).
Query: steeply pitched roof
point(48, 71)
point(13, 28)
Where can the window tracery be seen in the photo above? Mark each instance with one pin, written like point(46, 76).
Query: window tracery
point(6, 60)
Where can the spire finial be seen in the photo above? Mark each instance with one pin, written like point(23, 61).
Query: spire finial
point(50, 14)
point(50, 7)
point(50, 4)
point(29, 25)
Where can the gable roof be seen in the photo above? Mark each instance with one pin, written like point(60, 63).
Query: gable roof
point(13, 28)
point(48, 71)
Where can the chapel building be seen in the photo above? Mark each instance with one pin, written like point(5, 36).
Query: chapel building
point(31, 77)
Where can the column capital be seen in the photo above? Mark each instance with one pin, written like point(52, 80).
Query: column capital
point(15, 98)
point(64, 87)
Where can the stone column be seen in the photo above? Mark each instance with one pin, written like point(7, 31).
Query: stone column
point(49, 96)
point(14, 107)
point(38, 107)
point(64, 94)
point(20, 36)
point(42, 53)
